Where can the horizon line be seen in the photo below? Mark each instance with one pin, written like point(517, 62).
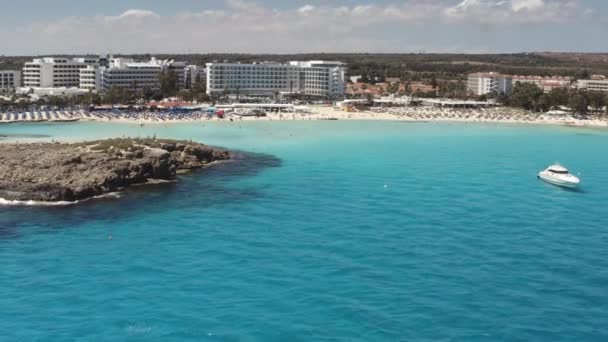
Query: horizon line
point(305, 53)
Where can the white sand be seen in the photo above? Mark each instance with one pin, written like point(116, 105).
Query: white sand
point(484, 115)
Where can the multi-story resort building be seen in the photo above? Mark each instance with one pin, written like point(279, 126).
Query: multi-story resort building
point(486, 83)
point(537, 80)
point(55, 72)
point(127, 73)
point(550, 84)
point(320, 79)
point(593, 85)
point(99, 74)
point(10, 80)
point(545, 83)
point(193, 74)
point(90, 78)
point(130, 74)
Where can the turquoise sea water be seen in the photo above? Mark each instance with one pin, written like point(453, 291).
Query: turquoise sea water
point(334, 231)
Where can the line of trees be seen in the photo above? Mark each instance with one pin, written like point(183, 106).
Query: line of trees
point(530, 97)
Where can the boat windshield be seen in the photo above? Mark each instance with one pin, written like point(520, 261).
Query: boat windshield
point(559, 172)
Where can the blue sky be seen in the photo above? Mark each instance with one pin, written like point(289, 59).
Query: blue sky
point(274, 26)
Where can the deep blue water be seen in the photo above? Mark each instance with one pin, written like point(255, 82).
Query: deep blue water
point(335, 231)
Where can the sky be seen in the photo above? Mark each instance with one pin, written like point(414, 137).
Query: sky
point(39, 27)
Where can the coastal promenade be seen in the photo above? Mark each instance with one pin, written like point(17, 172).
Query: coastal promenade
point(480, 115)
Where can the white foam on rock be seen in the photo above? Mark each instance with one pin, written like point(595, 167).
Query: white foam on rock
point(31, 203)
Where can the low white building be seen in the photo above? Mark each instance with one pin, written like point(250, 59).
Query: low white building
point(10, 80)
point(313, 78)
point(547, 84)
point(593, 85)
point(486, 83)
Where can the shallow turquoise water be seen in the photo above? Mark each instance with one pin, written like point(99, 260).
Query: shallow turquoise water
point(338, 231)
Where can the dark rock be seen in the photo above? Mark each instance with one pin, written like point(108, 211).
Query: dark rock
point(156, 153)
point(168, 147)
point(128, 154)
point(72, 160)
point(69, 172)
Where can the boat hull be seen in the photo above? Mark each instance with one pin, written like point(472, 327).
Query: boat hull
point(557, 181)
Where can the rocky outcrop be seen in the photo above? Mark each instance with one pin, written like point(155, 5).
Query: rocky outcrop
point(71, 172)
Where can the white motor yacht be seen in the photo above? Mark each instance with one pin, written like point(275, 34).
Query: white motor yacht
point(560, 176)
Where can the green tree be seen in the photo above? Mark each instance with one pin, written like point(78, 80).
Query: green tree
point(597, 99)
point(168, 83)
point(393, 88)
point(434, 83)
point(226, 93)
point(119, 95)
point(185, 95)
point(582, 74)
point(544, 103)
point(526, 96)
point(559, 97)
point(148, 93)
point(199, 86)
point(91, 98)
point(491, 95)
point(579, 102)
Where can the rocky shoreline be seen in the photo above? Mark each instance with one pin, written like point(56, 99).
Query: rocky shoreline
point(58, 172)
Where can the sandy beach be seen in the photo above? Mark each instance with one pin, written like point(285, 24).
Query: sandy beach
point(480, 115)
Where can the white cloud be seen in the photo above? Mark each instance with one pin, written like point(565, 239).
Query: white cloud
point(245, 26)
point(518, 5)
point(136, 14)
point(306, 9)
point(497, 12)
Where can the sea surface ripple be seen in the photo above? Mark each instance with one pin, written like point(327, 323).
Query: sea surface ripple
point(329, 231)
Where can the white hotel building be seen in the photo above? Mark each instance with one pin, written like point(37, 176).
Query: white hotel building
point(99, 74)
point(545, 83)
point(10, 80)
point(129, 74)
point(593, 85)
point(313, 78)
point(90, 78)
point(485, 83)
point(55, 72)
